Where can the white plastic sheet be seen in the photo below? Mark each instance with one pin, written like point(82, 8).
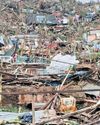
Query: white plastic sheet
point(60, 63)
point(1, 40)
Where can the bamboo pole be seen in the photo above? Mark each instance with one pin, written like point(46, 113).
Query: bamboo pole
point(65, 77)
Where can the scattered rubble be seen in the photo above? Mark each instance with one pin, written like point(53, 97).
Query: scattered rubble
point(53, 48)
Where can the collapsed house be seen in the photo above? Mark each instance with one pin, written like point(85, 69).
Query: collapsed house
point(49, 54)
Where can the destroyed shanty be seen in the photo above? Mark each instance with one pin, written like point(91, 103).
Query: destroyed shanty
point(49, 62)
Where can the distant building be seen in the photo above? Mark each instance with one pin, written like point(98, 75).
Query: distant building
point(92, 35)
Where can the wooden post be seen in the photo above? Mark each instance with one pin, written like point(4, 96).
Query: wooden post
point(1, 85)
point(0, 89)
point(33, 110)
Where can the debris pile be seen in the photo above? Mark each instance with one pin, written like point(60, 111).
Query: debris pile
point(50, 50)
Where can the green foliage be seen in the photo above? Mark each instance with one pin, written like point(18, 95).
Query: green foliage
point(11, 109)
